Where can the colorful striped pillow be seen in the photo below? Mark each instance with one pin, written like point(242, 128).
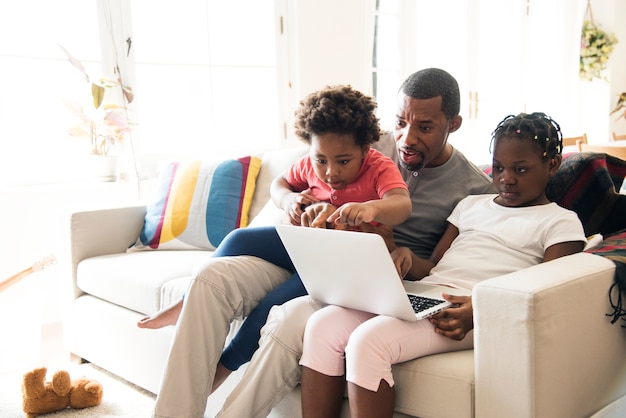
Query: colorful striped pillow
point(198, 203)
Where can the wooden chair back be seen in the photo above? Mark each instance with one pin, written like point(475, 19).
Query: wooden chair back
point(617, 137)
point(575, 140)
point(619, 152)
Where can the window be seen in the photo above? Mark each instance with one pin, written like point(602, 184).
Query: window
point(203, 86)
point(206, 76)
point(386, 73)
point(503, 64)
point(36, 78)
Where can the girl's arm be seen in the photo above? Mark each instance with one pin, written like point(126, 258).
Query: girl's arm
point(392, 209)
point(562, 249)
point(421, 267)
point(290, 201)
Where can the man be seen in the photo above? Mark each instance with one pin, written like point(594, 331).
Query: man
point(437, 175)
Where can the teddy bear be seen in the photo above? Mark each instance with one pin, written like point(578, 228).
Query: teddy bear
point(39, 397)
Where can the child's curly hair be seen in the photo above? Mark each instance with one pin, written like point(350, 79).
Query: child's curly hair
point(338, 109)
point(536, 126)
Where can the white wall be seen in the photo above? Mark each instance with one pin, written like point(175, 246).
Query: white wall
point(617, 23)
point(330, 43)
point(34, 221)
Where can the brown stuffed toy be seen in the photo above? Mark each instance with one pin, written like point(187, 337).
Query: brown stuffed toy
point(40, 398)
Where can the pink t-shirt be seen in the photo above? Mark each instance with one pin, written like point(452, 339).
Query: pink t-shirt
point(378, 175)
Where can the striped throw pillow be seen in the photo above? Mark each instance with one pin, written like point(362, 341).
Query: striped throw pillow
point(198, 203)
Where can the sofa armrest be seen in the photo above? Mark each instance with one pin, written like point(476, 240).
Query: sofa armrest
point(100, 232)
point(544, 346)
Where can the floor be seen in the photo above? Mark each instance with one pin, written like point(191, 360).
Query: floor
point(53, 349)
point(34, 347)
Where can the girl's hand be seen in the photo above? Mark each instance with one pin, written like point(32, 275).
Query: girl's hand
point(353, 214)
point(299, 201)
point(402, 260)
point(316, 215)
point(305, 198)
point(454, 322)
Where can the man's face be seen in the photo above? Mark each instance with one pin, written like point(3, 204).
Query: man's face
point(421, 132)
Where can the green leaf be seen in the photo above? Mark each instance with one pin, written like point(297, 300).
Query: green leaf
point(97, 93)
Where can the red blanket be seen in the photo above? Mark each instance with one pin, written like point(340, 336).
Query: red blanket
point(589, 184)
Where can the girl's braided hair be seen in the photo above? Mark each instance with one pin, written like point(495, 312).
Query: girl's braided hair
point(536, 126)
point(338, 109)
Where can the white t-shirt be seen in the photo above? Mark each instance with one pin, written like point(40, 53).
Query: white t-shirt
point(494, 240)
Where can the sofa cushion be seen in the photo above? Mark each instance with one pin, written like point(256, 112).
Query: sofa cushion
point(198, 203)
point(425, 386)
point(137, 280)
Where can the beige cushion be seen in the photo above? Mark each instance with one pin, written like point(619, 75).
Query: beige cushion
point(424, 387)
point(134, 280)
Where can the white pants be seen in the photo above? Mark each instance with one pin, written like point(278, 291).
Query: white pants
point(225, 289)
point(365, 346)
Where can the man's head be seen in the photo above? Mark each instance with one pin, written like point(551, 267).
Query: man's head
point(428, 104)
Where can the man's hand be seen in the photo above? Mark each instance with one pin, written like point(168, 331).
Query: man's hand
point(454, 322)
point(402, 260)
point(384, 231)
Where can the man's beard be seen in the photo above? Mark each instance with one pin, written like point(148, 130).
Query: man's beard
point(411, 167)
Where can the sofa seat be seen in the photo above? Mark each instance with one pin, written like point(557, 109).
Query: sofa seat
point(143, 281)
point(436, 379)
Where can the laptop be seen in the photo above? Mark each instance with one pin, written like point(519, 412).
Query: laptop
point(355, 270)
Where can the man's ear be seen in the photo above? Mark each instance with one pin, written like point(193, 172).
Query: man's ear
point(455, 123)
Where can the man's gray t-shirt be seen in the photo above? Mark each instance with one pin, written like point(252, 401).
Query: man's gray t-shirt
point(434, 194)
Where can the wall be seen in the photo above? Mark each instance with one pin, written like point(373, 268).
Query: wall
point(34, 221)
point(617, 23)
point(330, 43)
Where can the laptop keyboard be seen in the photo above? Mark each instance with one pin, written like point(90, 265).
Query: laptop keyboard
point(421, 303)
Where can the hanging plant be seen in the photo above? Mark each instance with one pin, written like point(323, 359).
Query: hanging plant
point(596, 47)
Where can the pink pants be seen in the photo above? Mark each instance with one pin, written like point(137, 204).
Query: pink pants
point(368, 344)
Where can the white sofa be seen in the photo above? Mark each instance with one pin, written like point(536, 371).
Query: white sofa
point(544, 347)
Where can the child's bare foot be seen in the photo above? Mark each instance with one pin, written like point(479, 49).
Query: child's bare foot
point(164, 317)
